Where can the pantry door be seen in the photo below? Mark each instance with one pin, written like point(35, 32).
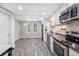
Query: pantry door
point(4, 29)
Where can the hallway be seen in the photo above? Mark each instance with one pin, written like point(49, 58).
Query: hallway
point(30, 47)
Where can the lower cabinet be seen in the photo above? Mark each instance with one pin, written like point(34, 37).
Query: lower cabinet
point(51, 44)
point(48, 41)
point(73, 53)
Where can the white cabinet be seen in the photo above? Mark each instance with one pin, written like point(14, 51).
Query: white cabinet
point(73, 53)
point(51, 44)
point(55, 19)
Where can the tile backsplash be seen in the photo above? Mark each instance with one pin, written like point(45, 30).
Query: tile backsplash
point(73, 26)
point(59, 29)
point(70, 26)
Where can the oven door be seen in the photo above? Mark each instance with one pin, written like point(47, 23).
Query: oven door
point(60, 49)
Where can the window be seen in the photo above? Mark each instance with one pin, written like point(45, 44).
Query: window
point(35, 27)
point(28, 28)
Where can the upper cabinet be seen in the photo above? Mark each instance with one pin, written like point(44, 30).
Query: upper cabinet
point(55, 16)
point(55, 19)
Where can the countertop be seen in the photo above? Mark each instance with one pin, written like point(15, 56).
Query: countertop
point(61, 38)
point(73, 35)
point(4, 48)
point(58, 37)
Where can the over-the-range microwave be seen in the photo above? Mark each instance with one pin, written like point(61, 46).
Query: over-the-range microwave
point(71, 13)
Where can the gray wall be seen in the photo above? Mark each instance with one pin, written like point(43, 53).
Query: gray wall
point(17, 30)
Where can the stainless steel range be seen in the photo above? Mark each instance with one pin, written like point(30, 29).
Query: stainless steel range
point(60, 45)
point(73, 40)
point(60, 49)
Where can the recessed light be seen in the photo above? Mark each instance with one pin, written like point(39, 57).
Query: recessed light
point(20, 8)
point(24, 24)
point(43, 13)
point(27, 16)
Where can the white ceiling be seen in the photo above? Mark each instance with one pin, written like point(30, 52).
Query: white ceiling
point(33, 10)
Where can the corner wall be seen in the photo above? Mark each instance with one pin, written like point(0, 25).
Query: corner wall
point(17, 30)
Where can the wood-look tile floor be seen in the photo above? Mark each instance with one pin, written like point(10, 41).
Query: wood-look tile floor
point(30, 47)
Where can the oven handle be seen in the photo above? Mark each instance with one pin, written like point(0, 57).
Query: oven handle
point(60, 44)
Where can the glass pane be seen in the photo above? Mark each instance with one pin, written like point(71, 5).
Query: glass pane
point(28, 28)
point(35, 27)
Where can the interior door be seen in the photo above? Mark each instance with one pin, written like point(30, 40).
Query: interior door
point(4, 29)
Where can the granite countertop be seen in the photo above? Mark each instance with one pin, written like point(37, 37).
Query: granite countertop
point(4, 48)
point(61, 38)
point(73, 35)
point(58, 37)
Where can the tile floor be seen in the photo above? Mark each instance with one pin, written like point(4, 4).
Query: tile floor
point(31, 47)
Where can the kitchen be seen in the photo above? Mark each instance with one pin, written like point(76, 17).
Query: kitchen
point(65, 34)
point(59, 31)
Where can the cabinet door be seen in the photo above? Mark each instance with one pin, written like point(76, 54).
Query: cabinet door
point(51, 44)
point(4, 29)
point(48, 40)
point(73, 53)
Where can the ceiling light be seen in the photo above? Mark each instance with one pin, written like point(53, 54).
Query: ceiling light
point(43, 13)
point(24, 24)
point(20, 8)
point(27, 16)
